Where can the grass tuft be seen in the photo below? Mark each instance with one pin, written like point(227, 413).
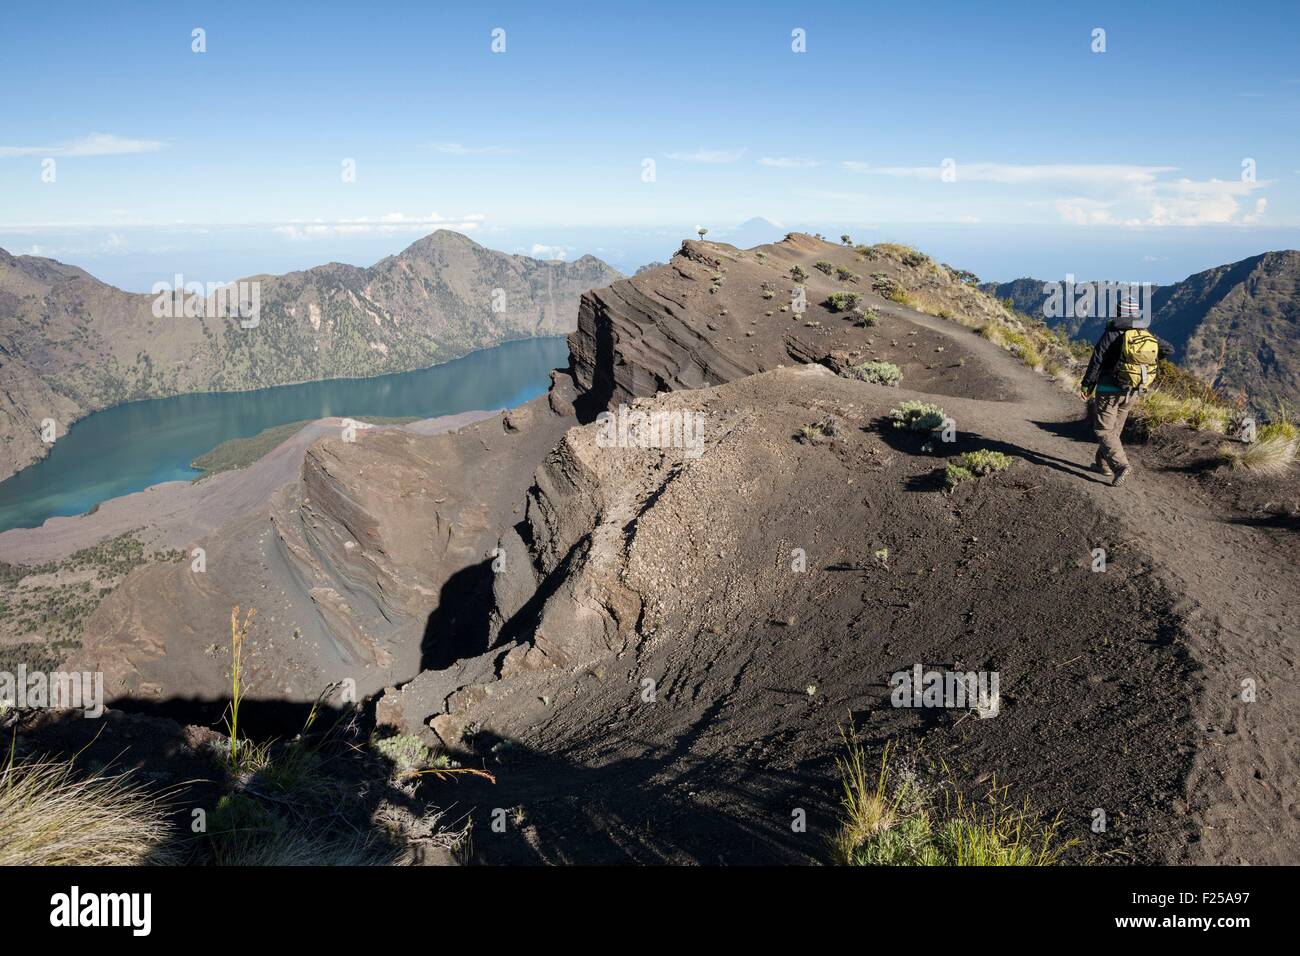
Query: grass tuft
point(51, 816)
point(893, 822)
point(1264, 456)
point(1017, 343)
point(1161, 407)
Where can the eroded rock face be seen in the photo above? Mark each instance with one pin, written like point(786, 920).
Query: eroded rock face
point(601, 539)
point(372, 567)
point(715, 314)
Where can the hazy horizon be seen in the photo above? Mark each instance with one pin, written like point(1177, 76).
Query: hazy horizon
point(1040, 251)
point(1035, 140)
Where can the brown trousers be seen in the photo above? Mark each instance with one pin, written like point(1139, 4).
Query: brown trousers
point(1107, 415)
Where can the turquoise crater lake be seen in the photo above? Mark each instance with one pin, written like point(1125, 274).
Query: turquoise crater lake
point(130, 447)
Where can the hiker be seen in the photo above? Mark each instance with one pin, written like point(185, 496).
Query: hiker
point(1123, 366)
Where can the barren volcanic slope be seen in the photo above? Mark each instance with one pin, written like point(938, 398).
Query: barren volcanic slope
point(1236, 325)
point(70, 345)
point(655, 650)
point(679, 570)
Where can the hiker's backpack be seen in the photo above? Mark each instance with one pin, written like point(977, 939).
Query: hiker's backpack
point(1139, 354)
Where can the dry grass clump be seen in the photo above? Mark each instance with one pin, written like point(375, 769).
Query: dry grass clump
point(1280, 431)
point(1264, 456)
point(1160, 407)
point(895, 822)
point(827, 429)
point(246, 832)
point(52, 816)
point(1017, 343)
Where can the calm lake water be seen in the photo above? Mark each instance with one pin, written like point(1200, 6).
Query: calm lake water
point(130, 447)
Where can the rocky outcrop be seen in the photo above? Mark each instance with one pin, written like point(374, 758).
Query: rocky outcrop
point(715, 314)
point(372, 567)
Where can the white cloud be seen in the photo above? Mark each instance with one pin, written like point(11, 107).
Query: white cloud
point(540, 251)
point(387, 224)
point(1183, 202)
point(1017, 174)
point(789, 162)
point(96, 144)
point(460, 149)
point(1083, 211)
point(1106, 194)
point(703, 155)
point(1187, 202)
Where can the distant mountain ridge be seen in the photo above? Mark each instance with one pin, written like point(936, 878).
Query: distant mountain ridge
point(70, 344)
point(1236, 325)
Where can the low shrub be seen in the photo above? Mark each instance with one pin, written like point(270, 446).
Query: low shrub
point(955, 474)
point(888, 287)
point(842, 301)
point(917, 416)
point(984, 461)
point(865, 318)
point(879, 373)
point(406, 751)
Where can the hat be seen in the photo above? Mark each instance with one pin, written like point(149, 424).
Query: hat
point(1129, 314)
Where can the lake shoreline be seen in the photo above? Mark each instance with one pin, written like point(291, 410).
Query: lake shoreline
point(136, 445)
point(91, 411)
point(173, 514)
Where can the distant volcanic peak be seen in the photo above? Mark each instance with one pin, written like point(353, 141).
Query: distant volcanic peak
point(440, 239)
point(95, 346)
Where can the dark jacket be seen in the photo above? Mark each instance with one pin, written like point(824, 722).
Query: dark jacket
point(1110, 346)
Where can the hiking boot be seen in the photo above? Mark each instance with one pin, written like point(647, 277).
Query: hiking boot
point(1100, 467)
point(1121, 476)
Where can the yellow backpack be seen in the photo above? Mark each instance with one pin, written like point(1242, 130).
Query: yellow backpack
point(1139, 355)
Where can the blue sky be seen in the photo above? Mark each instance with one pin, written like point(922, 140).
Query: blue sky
point(1125, 163)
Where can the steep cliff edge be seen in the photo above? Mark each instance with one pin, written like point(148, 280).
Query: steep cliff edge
point(716, 313)
point(371, 566)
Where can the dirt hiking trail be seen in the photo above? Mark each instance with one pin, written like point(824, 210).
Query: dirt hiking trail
point(1239, 585)
point(1152, 725)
